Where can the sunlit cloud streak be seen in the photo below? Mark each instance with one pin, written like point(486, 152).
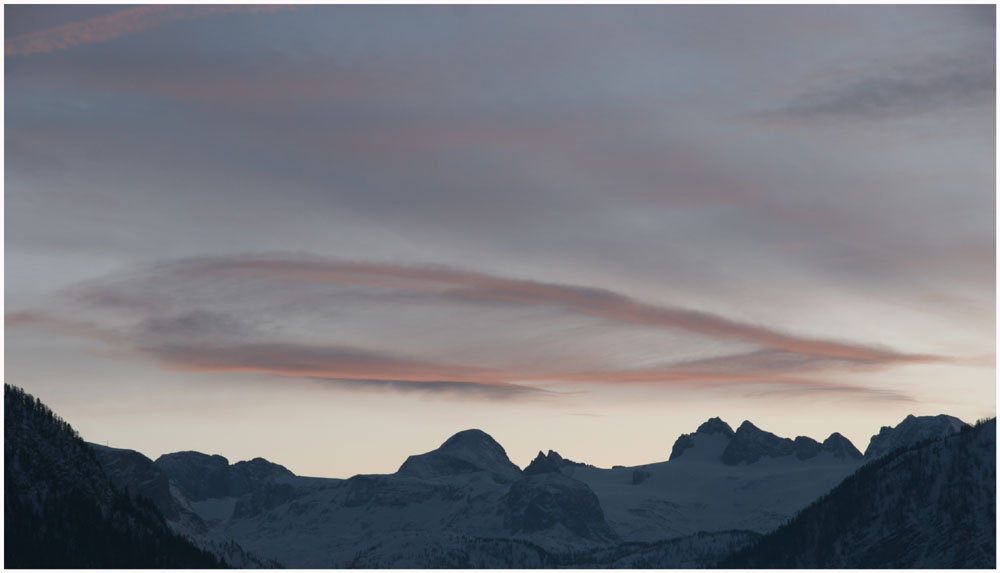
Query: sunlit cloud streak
point(121, 23)
point(360, 366)
point(483, 288)
point(168, 340)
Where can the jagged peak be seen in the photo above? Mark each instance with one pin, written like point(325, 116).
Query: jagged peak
point(542, 464)
point(549, 463)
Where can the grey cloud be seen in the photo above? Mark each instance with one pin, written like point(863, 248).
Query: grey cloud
point(446, 388)
point(196, 324)
point(828, 392)
point(946, 84)
point(775, 361)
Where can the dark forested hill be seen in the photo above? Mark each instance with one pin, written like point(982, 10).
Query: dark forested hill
point(932, 505)
point(61, 510)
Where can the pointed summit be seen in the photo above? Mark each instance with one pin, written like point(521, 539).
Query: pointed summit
point(542, 464)
point(466, 452)
point(713, 435)
point(841, 447)
point(549, 463)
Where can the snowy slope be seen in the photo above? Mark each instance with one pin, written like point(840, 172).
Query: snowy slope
point(697, 490)
point(468, 489)
point(911, 430)
point(932, 505)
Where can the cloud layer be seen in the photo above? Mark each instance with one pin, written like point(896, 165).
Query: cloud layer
point(164, 320)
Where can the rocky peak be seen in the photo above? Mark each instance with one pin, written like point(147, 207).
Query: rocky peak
point(549, 463)
point(542, 464)
point(750, 443)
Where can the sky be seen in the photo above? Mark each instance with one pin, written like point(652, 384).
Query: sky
point(332, 236)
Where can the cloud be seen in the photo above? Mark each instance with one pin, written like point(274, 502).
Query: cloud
point(844, 391)
point(896, 91)
point(314, 361)
point(474, 288)
point(771, 361)
point(257, 327)
point(125, 22)
point(457, 389)
point(354, 367)
point(62, 325)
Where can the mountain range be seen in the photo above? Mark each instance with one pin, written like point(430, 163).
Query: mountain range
point(722, 495)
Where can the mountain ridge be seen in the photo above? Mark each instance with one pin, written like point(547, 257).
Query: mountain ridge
point(465, 502)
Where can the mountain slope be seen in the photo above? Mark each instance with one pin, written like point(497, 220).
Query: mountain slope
point(930, 505)
point(465, 489)
point(137, 475)
point(61, 510)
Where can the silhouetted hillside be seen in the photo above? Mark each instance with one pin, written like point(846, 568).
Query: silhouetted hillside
point(932, 505)
point(61, 510)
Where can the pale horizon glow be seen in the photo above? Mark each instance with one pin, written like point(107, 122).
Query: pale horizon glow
point(333, 236)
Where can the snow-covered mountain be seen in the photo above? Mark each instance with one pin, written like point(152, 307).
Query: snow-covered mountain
point(911, 430)
point(468, 489)
point(749, 444)
point(465, 504)
point(930, 505)
point(719, 480)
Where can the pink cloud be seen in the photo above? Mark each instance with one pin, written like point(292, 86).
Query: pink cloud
point(477, 287)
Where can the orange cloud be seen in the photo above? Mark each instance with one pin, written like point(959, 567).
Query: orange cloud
point(117, 24)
